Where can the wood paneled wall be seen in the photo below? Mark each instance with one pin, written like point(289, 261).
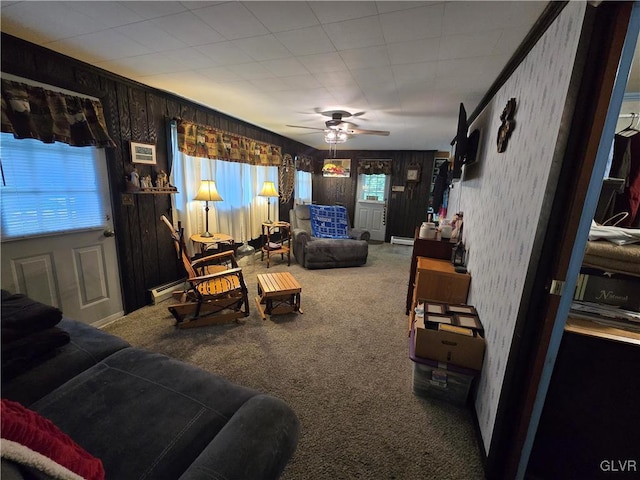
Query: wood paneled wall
point(138, 113)
point(405, 210)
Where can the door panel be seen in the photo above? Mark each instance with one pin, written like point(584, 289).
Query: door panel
point(371, 216)
point(76, 272)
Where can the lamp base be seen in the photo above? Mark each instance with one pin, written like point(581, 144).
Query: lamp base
point(268, 221)
point(206, 235)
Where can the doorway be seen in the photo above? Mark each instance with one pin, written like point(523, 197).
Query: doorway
point(55, 262)
point(371, 204)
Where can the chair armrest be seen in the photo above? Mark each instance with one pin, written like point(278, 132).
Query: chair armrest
point(209, 258)
point(359, 234)
point(210, 276)
point(300, 236)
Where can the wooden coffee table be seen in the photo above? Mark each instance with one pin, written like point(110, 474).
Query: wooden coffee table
point(278, 293)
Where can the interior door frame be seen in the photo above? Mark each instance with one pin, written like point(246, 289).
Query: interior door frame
point(537, 336)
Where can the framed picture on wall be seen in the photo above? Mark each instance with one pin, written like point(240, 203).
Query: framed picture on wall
point(143, 153)
point(336, 167)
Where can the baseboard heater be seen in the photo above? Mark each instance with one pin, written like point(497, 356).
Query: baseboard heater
point(401, 240)
point(162, 292)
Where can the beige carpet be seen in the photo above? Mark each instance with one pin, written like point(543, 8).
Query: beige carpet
point(343, 367)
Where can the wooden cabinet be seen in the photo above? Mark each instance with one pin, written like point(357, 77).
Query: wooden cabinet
point(425, 248)
point(438, 281)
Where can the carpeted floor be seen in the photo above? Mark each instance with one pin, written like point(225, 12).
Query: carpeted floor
point(343, 367)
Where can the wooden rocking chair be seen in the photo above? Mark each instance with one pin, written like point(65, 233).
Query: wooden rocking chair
point(217, 292)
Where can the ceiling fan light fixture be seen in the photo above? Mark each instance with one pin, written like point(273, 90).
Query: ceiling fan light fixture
point(335, 136)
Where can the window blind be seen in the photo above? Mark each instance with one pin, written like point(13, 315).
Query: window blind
point(48, 188)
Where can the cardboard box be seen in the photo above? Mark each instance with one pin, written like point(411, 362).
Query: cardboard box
point(449, 347)
point(618, 290)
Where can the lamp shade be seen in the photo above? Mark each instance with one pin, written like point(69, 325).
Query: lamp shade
point(268, 190)
point(208, 192)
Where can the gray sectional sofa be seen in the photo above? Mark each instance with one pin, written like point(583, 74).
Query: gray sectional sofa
point(145, 415)
point(312, 252)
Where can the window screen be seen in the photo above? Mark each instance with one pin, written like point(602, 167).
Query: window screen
point(48, 188)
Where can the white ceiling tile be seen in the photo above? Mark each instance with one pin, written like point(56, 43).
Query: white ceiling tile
point(189, 29)
point(460, 67)
point(149, 10)
point(197, 4)
point(510, 39)
point(305, 81)
point(363, 32)
point(285, 67)
point(271, 84)
point(60, 21)
point(148, 34)
point(414, 51)
point(220, 75)
point(111, 14)
point(191, 58)
point(107, 45)
point(151, 64)
point(264, 47)
point(224, 53)
point(365, 57)
point(465, 46)
point(475, 16)
point(251, 71)
point(329, 12)
point(323, 62)
point(336, 79)
point(370, 76)
point(393, 6)
point(306, 41)
point(232, 20)
point(415, 72)
point(413, 24)
point(282, 16)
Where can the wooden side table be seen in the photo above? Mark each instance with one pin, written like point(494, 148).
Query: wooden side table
point(280, 288)
point(205, 242)
point(271, 246)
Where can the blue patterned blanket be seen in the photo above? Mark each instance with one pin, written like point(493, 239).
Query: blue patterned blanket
point(329, 221)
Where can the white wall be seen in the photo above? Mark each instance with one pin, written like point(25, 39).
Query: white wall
point(502, 195)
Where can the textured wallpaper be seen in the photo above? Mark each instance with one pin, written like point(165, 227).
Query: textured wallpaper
point(502, 195)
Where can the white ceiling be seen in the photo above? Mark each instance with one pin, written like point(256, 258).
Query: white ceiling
point(406, 65)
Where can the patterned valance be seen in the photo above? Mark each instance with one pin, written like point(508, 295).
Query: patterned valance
point(304, 163)
point(34, 112)
point(208, 142)
point(374, 167)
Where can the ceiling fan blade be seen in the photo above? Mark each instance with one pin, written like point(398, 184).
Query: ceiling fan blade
point(358, 131)
point(309, 128)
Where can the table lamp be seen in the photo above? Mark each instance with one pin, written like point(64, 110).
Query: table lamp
point(208, 193)
point(268, 190)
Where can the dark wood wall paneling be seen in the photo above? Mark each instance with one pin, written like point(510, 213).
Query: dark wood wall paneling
point(405, 211)
point(138, 113)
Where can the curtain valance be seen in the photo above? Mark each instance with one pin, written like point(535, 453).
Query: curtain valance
point(304, 163)
point(374, 167)
point(208, 142)
point(33, 112)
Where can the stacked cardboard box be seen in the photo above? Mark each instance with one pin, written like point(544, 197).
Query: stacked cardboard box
point(447, 349)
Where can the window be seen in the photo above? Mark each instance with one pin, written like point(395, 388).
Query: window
point(49, 187)
point(374, 187)
point(302, 188)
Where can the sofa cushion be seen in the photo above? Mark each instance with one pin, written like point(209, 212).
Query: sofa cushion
point(88, 345)
point(329, 221)
point(330, 253)
point(19, 313)
point(172, 410)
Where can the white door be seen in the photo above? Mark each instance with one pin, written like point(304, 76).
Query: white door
point(76, 271)
point(371, 206)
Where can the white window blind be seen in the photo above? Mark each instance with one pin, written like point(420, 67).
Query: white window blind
point(48, 188)
point(374, 186)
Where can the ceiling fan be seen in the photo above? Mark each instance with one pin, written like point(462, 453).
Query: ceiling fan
point(336, 125)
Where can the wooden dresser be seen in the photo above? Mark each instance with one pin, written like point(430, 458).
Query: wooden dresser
point(425, 248)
